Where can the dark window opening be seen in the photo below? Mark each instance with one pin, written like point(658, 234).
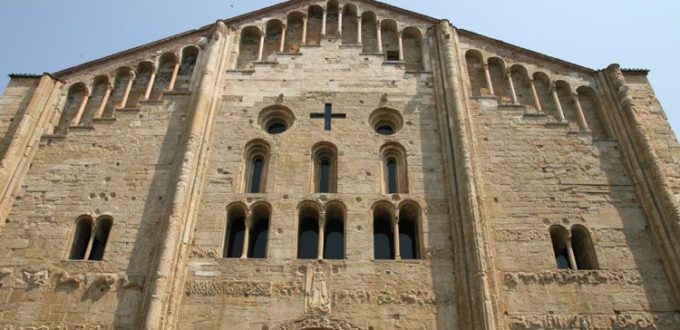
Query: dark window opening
point(81, 239)
point(562, 259)
point(258, 239)
point(383, 240)
point(392, 187)
point(101, 237)
point(276, 128)
point(308, 239)
point(256, 181)
point(234, 240)
point(385, 130)
point(325, 176)
point(334, 241)
point(583, 249)
point(392, 55)
point(408, 243)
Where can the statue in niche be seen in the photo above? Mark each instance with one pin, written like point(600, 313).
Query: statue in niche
point(317, 293)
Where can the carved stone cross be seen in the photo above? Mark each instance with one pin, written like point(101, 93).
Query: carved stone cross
point(327, 116)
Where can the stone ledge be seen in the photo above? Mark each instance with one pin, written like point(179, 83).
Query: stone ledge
point(264, 63)
point(418, 72)
point(104, 120)
point(177, 93)
point(394, 63)
point(372, 54)
point(53, 137)
point(351, 46)
point(535, 114)
point(128, 110)
point(81, 128)
point(242, 71)
point(557, 124)
point(151, 102)
point(290, 54)
point(310, 46)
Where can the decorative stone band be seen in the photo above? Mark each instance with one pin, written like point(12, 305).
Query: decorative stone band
point(595, 321)
point(234, 289)
point(624, 277)
point(319, 323)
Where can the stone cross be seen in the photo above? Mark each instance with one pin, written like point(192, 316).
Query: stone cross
point(327, 115)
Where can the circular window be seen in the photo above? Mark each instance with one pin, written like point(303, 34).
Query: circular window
point(276, 119)
point(386, 121)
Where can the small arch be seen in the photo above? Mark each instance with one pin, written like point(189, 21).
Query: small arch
point(142, 79)
point(334, 231)
point(521, 82)
point(166, 70)
point(186, 67)
point(276, 119)
point(99, 86)
point(249, 47)
point(584, 252)
point(498, 72)
point(565, 95)
point(101, 237)
point(412, 40)
point(394, 168)
point(256, 160)
point(592, 110)
point(383, 233)
point(350, 24)
point(272, 39)
point(74, 100)
point(235, 233)
point(325, 162)
point(259, 231)
point(123, 77)
point(81, 238)
point(409, 230)
point(308, 231)
point(560, 238)
point(475, 67)
point(332, 15)
point(389, 30)
point(369, 32)
point(294, 27)
point(544, 88)
point(314, 22)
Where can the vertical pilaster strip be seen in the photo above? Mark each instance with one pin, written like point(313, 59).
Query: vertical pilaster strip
point(165, 287)
point(479, 275)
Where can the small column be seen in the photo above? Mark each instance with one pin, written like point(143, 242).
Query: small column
point(283, 39)
point(487, 73)
point(570, 252)
point(246, 235)
point(105, 101)
point(397, 246)
point(560, 112)
point(322, 225)
point(537, 101)
point(513, 93)
point(304, 30)
point(380, 46)
point(76, 119)
point(128, 88)
point(147, 94)
point(173, 80)
point(359, 30)
point(401, 47)
point(579, 111)
point(261, 50)
point(339, 22)
point(323, 23)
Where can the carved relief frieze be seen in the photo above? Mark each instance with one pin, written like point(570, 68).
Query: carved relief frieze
point(55, 327)
point(203, 252)
point(550, 322)
point(625, 277)
point(412, 297)
point(319, 323)
point(521, 235)
point(289, 289)
point(595, 321)
point(229, 288)
point(33, 279)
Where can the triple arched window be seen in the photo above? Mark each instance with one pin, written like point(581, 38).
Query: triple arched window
point(573, 249)
point(90, 238)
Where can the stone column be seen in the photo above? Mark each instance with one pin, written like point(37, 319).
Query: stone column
point(380, 45)
point(304, 30)
point(513, 93)
point(537, 101)
point(128, 88)
point(570, 252)
point(340, 23)
point(105, 101)
point(359, 22)
point(246, 234)
point(261, 50)
point(556, 98)
point(173, 80)
point(395, 233)
point(579, 111)
point(149, 87)
point(487, 74)
point(401, 47)
point(323, 23)
point(283, 39)
point(83, 103)
point(322, 231)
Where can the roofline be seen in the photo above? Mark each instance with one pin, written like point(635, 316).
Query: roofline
point(636, 71)
point(528, 51)
point(24, 75)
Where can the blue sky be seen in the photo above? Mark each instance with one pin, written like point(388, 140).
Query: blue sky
point(46, 35)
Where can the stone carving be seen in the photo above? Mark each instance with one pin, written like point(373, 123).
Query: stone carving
point(319, 323)
point(54, 327)
point(66, 279)
point(33, 279)
point(638, 321)
point(229, 288)
point(410, 297)
point(103, 281)
point(131, 282)
point(391, 297)
point(512, 235)
point(318, 289)
point(550, 322)
point(203, 252)
point(4, 272)
point(627, 277)
point(289, 289)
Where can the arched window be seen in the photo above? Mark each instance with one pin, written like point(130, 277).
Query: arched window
point(369, 32)
point(499, 79)
point(272, 40)
point(325, 167)
point(475, 68)
point(544, 90)
point(560, 241)
point(235, 234)
point(520, 80)
point(257, 159)
point(123, 79)
point(334, 232)
point(139, 87)
point(186, 69)
point(395, 171)
point(390, 39)
point(564, 93)
point(314, 22)
point(294, 29)
point(249, 47)
point(81, 238)
point(590, 104)
point(349, 25)
point(99, 88)
point(308, 232)
point(383, 234)
point(74, 100)
point(259, 233)
point(101, 237)
point(584, 252)
point(166, 70)
point(332, 13)
point(412, 40)
point(409, 242)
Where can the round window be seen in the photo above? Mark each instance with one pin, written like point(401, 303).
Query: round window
point(386, 121)
point(276, 119)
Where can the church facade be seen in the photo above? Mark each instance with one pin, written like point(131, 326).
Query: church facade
point(337, 165)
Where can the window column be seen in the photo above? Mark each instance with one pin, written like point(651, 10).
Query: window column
point(128, 88)
point(173, 80)
point(487, 74)
point(261, 50)
point(537, 101)
point(570, 252)
point(147, 94)
point(379, 32)
point(304, 30)
point(513, 93)
point(76, 119)
point(105, 100)
point(560, 112)
point(359, 19)
point(283, 39)
point(579, 111)
point(395, 233)
point(322, 234)
point(246, 234)
point(323, 23)
point(401, 46)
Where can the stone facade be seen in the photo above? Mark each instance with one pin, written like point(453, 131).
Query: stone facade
point(445, 180)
